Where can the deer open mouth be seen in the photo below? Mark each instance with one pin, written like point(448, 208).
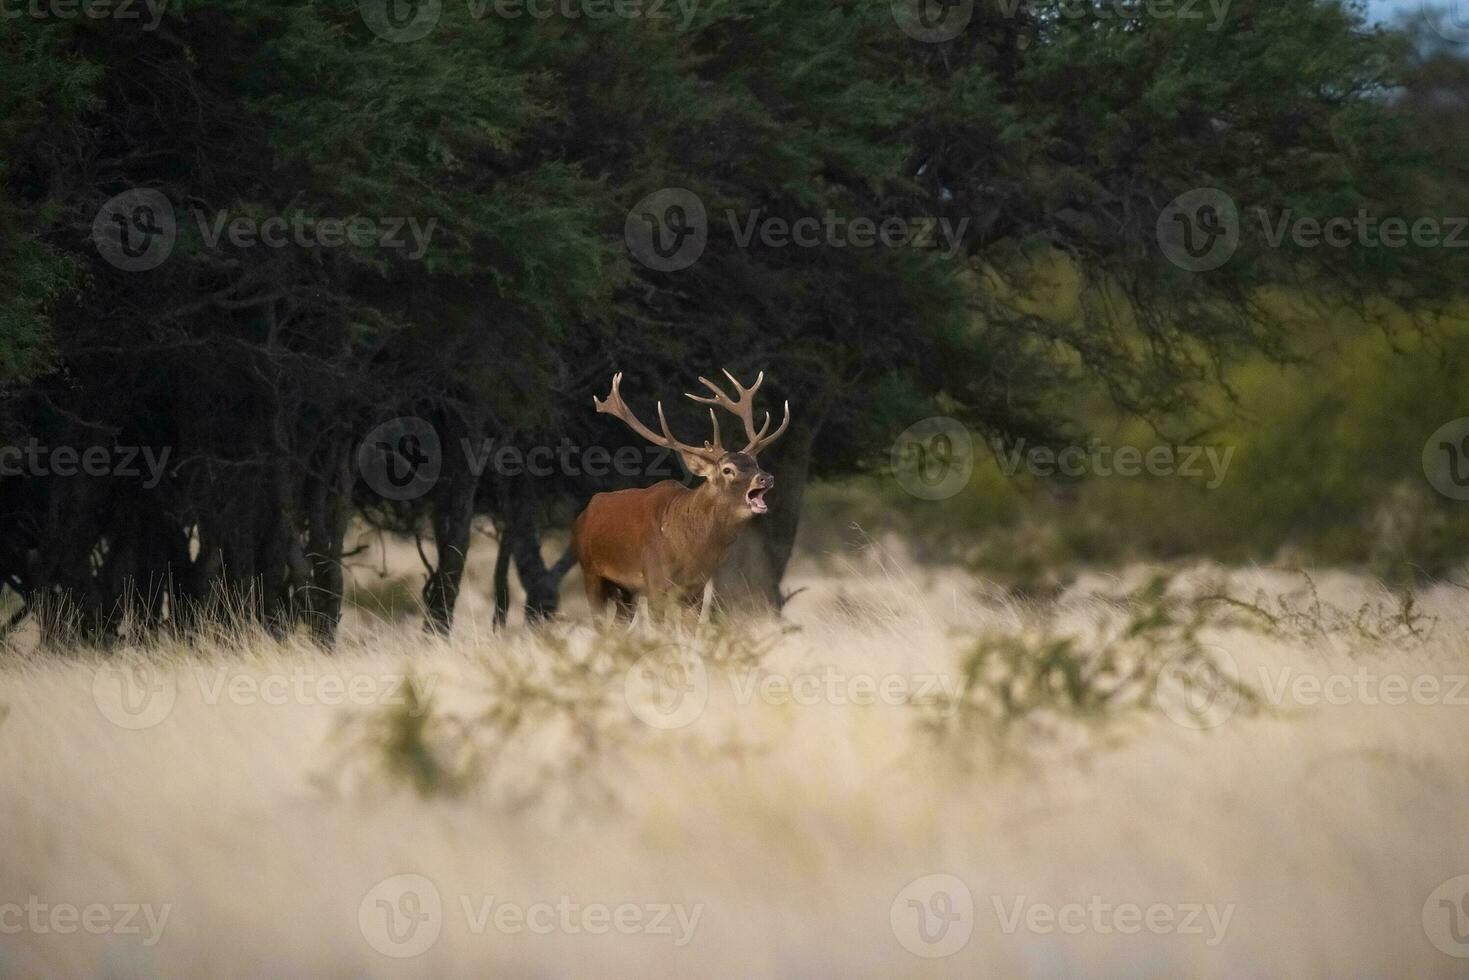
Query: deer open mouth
point(756, 499)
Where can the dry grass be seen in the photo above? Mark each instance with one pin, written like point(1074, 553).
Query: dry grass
point(1064, 765)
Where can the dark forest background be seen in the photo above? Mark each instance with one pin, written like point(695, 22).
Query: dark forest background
point(1058, 134)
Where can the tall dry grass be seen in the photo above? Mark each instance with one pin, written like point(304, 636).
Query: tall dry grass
point(911, 762)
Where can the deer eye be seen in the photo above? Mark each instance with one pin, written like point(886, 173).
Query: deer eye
point(729, 471)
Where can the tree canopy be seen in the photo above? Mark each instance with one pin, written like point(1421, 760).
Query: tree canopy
point(435, 210)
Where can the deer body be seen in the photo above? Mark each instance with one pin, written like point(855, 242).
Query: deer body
point(667, 540)
point(663, 539)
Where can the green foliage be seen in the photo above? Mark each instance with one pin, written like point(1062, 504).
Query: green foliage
point(1022, 693)
point(39, 87)
point(1325, 466)
point(545, 717)
point(411, 743)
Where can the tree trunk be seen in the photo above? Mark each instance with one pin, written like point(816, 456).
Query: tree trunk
point(328, 511)
point(502, 580)
point(453, 520)
point(523, 537)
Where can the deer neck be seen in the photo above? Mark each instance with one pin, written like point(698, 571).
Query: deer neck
point(699, 522)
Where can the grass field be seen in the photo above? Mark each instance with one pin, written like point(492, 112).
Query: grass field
point(913, 776)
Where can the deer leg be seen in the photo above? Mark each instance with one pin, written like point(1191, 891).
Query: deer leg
point(707, 604)
point(598, 592)
point(609, 601)
point(692, 605)
point(642, 617)
point(623, 603)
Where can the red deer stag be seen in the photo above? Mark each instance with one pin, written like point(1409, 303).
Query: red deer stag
point(665, 541)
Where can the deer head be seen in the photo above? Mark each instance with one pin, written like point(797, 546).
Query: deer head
point(734, 477)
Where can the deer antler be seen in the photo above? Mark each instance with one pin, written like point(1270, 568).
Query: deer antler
point(744, 408)
point(614, 405)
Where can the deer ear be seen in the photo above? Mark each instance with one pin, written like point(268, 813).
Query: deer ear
point(697, 465)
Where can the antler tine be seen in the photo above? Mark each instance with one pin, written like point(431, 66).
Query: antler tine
point(720, 398)
point(673, 441)
point(718, 443)
point(614, 405)
point(760, 380)
point(763, 440)
point(743, 408)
